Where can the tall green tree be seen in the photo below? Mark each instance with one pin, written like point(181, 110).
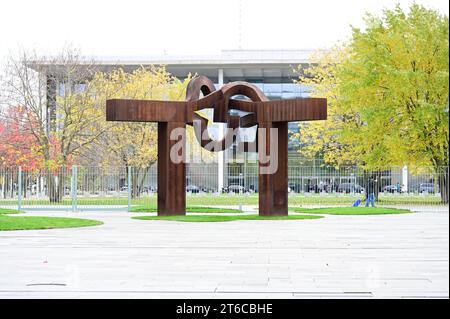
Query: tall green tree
point(388, 94)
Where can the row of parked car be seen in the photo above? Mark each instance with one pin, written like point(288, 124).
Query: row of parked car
point(422, 188)
point(296, 188)
point(344, 188)
point(327, 188)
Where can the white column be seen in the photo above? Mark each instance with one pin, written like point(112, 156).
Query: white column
point(405, 179)
point(220, 155)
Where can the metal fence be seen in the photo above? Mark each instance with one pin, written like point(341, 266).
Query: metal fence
point(83, 188)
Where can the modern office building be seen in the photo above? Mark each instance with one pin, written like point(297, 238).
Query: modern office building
point(273, 71)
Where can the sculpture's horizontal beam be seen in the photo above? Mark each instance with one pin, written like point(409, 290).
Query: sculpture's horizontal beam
point(145, 111)
point(304, 109)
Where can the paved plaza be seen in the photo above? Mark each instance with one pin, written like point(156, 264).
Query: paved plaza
point(388, 256)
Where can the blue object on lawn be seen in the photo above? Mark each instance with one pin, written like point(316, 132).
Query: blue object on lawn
point(356, 204)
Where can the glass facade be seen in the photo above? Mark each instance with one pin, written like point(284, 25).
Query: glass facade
point(278, 91)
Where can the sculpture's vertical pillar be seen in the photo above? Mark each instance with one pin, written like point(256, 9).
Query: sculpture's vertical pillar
point(273, 188)
point(171, 171)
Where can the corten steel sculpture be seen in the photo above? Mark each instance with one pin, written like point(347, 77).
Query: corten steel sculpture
point(257, 110)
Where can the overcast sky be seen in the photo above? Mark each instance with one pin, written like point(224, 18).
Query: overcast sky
point(132, 27)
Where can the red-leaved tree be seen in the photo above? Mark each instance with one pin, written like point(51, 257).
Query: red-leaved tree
point(18, 145)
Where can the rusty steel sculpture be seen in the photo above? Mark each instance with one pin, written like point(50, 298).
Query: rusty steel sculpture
point(257, 109)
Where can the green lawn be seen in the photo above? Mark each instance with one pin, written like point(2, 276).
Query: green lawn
point(4, 211)
point(350, 210)
point(312, 211)
point(227, 199)
point(223, 218)
point(192, 209)
point(37, 222)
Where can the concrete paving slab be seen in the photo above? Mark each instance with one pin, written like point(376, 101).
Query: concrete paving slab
point(388, 256)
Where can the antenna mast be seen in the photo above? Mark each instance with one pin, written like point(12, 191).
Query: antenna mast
point(240, 25)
